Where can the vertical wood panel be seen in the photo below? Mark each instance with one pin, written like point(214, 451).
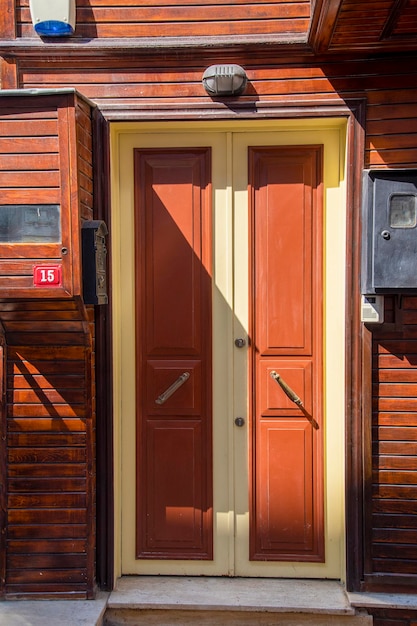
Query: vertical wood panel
point(173, 234)
point(287, 508)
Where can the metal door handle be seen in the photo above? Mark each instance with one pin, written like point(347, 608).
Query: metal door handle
point(294, 398)
point(286, 389)
point(172, 388)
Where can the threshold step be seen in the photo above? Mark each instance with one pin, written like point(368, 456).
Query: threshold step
point(174, 600)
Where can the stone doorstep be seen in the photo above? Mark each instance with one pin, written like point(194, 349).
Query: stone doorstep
point(170, 601)
point(170, 593)
point(208, 601)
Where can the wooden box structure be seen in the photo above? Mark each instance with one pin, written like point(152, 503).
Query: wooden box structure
point(48, 418)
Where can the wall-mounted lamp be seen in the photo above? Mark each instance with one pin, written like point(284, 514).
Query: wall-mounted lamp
point(53, 18)
point(225, 80)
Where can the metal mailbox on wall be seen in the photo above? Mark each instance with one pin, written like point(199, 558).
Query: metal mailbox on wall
point(389, 231)
point(94, 253)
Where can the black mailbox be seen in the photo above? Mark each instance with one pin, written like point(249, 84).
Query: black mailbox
point(94, 255)
point(389, 231)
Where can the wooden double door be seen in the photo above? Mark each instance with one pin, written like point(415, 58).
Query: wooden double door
point(228, 315)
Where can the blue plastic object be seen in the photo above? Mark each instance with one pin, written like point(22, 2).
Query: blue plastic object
point(53, 28)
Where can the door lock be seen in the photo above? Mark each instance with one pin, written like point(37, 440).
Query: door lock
point(240, 342)
point(239, 421)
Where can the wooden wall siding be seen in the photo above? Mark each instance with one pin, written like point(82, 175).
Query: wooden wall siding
point(392, 522)
point(46, 157)
point(391, 95)
point(29, 154)
point(50, 462)
point(189, 18)
point(3, 459)
point(393, 617)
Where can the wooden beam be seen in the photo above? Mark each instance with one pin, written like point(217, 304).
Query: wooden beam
point(391, 22)
point(8, 74)
point(323, 22)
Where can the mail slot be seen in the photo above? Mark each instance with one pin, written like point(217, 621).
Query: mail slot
point(389, 233)
point(94, 253)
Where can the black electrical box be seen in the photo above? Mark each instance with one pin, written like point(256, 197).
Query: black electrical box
point(389, 232)
point(94, 260)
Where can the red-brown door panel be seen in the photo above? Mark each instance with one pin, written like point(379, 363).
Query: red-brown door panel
point(287, 521)
point(174, 337)
point(175, 498)
point(272, 399)
point(162, 378)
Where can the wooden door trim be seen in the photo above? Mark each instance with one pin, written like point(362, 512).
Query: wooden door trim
point(357, 370)
point(104, 374)
point(354, 110)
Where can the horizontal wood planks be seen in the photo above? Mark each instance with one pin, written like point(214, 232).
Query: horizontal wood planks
point(188, 18)
point(392, 524)
point(391, 95)
point(29, 154)
point(50, 449)
point(45, 159)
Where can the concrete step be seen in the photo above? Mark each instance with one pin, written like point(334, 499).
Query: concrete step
point(209, 601)
point(53, 612)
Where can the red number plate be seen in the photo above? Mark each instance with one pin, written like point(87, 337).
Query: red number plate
point(47, 276)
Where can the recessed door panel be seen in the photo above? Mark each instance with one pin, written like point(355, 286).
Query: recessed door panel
point(173, 312)
point(283, 527)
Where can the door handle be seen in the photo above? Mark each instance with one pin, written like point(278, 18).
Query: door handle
point(294, 398)
point(286, 389)
point(172, 388)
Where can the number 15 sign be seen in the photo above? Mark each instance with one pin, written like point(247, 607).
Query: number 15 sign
point(47, 276)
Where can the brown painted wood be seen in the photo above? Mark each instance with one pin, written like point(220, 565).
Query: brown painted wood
point(190, 18)
point(3, 462)
point(390, 523)
point(357, 393)
point(8, 20)
point(50, 463)
point(53, 135)
point(323, 22)
point(173, 256)
point(287, 516)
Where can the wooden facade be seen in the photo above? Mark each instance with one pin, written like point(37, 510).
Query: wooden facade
point(141, 63)
point(48, 353)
